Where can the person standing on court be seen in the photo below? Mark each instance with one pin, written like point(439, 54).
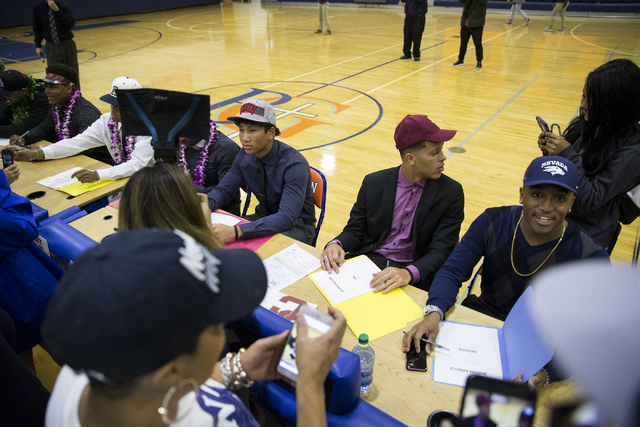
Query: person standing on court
point(323, 16)
point(53, 21)
point(472, 25)
point(415, 12)
point(516, 7)
point(560, 8)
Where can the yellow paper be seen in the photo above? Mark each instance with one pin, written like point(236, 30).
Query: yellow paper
point(78, 188)
point(377, 314)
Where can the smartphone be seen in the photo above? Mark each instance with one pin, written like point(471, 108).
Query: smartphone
point(318, 323)
point(7, 158)
point(543, 125)
point(497, 402)
point(417, 360)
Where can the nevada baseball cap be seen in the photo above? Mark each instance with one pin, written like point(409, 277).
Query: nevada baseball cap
point(117, 84)
point(142, 298)
point(256, 110)
point(552, 170)
point(12, 80)
point(417, 128)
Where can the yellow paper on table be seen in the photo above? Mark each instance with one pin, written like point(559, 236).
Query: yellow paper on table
point(376, 314)
point(78, 188)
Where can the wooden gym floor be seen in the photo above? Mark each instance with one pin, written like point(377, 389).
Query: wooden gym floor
point(340, 96)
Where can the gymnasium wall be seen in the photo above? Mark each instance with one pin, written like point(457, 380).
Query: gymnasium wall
point(18, 13)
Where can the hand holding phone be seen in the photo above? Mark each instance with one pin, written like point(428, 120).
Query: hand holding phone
point(7, 158)
point(317, 324)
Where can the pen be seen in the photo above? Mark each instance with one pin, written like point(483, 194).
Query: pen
point(22, 136)
point(432, 343)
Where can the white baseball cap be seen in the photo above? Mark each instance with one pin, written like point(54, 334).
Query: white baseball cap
point(119, 83)
point(256, 110)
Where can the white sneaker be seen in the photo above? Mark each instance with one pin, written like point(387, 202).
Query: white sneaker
point(548, 29)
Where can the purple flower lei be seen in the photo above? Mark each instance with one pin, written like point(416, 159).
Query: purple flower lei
point(62, 125)
point(203, 158)
point(116, 143)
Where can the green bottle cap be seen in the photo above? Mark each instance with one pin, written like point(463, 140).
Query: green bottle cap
point(363, 339)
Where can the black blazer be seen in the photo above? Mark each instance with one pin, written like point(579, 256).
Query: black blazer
point(436, 225)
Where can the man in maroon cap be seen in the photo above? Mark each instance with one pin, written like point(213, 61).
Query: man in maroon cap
point(406, 219)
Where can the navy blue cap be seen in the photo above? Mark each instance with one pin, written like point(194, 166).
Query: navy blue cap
point(142, 298)
point(552, 170)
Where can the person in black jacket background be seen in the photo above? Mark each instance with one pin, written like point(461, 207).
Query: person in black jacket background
point(53, 22)
point(415, 12)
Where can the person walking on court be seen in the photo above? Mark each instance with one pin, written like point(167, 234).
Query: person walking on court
point(323, 15)
point(516, 7)
point(560, 8)
point(472, 25)
point(415, 12)
point(53, 22)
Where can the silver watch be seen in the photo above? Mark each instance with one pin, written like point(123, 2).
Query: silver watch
point(432, 308)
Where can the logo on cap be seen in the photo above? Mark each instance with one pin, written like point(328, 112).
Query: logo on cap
point(251, 109)
point(199, 261)
point(113, 91)
point(554, 167)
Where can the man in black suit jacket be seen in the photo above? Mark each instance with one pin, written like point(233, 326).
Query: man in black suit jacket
point(406, 219)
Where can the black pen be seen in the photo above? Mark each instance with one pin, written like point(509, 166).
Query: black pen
point(432, 343)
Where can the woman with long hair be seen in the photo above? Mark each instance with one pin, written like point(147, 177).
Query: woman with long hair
point(163, 196)
point(607, 152)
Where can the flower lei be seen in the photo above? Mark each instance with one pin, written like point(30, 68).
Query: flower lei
point(62, 127)
point(22, 108)
point(203, 159)
point(116, 143)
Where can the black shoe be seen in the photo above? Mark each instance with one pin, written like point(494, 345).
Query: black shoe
point(458, 63)
point(416, 58)
point(479, 66)
point(405, 57)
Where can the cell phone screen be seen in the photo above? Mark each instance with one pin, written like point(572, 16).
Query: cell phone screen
point(316, 329)
point(417, 360)
point(7, 158)
point(503, 404)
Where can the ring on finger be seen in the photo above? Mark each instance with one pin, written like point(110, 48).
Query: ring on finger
point(325, 257)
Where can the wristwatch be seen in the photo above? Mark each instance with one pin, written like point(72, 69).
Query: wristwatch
point(432, 308)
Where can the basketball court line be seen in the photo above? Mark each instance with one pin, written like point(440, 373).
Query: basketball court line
point(428, 66)
point(599, 47)
point(483, 125)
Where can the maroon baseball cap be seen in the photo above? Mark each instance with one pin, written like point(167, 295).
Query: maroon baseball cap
point(417, 128)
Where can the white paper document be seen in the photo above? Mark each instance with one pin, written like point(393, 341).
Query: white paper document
point(474, 350)
point(288, 266)
point(61, 180)
point(352, 280)
point(220, 218)
point(4, 141)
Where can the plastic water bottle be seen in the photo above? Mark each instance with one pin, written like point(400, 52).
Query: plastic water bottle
point(367, 360)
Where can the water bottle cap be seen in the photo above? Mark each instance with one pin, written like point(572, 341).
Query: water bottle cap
point(363, 339)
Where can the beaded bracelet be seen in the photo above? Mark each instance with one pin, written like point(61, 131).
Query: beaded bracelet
point(233, 373)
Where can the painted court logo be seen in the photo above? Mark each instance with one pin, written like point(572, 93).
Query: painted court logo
point(554, 167)
point(306, 120)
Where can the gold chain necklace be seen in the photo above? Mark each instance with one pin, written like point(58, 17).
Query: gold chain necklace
point(513, 241)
